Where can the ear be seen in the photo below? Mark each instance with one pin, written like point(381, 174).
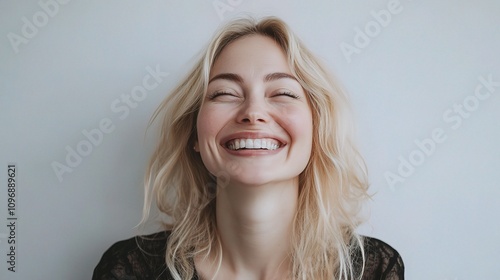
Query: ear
point(196, 146)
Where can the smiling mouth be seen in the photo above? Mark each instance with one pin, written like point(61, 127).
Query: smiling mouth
point(253, 144)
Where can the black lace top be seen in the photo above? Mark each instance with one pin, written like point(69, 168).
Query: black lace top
point(144, 258)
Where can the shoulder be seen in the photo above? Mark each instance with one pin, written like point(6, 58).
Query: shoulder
point(140, 257)
point(382, 260)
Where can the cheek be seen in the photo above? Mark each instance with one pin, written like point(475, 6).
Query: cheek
point(299, 124)
point(206, 127)
point(208, 124)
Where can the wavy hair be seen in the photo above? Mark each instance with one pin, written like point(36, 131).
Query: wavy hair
point(333, 185)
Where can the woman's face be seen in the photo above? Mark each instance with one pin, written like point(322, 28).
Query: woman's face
point(255, 123)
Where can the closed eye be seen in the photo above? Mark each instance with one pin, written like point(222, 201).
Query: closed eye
point(289, 94)
point(219, 93)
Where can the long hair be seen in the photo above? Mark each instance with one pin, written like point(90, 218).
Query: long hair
point(332, 187)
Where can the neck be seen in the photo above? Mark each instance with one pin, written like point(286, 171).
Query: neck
point(255, 225)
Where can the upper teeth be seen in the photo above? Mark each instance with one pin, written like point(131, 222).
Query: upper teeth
point(264, 143)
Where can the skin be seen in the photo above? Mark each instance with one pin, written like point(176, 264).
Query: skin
point(257, 189)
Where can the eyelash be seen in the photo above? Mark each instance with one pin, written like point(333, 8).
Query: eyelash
point(288, 93)
point(218, 93)
point(285, 93)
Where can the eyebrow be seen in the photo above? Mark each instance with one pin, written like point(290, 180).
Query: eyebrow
point(277, 76)
point(237, 78)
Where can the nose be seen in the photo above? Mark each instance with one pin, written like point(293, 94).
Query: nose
point(253, 111)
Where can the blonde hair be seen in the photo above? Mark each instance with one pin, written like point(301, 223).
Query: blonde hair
point(332, 186)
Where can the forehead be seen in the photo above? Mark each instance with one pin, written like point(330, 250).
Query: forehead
point(251, 53)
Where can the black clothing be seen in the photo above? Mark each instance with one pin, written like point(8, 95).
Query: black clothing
point(144, 258)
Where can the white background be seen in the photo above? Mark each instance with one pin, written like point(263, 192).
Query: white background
point(443, 218)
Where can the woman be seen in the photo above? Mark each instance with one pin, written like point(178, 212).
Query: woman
point(256, 170)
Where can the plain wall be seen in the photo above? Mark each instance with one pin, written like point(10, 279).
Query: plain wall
point(408, 79)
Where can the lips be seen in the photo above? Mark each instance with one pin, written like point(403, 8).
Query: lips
point(253, 144)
